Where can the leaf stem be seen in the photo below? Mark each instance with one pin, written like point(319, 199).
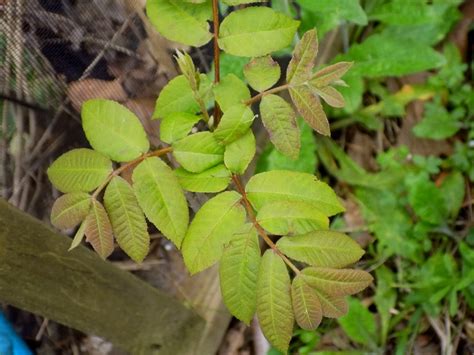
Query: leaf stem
point(118, 171)
point(217, 71)
point(258, 97)
point(258, 227)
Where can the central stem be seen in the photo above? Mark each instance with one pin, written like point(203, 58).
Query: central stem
point(258, 227)
point(217, 72)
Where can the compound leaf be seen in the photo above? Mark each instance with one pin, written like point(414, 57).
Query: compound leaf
point(306, 304)
point(291, 217)
point(337, 282)
point(256, 31)
point(322, 248)
point(69, 210)
point(310, 108)
point(177, 126)
point(98, 230)
point(230, 91)
point(212, 180)
point(302, 61)
point(280, 185)
point(234, 123)
point(198, 152)
point(262, 73)
point(161, 198)
point(279, 120)
point(238, 274)
point(128, 222)
point(274, 310)
point(114, 130)
point(239, 153)
point(79, 170)
point(180, 21)
point(212, 227)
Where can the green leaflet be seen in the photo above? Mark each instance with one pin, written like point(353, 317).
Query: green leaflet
point(70, 209)
point(78, 237)
point(322, 248)
point(256, 31)
point(213, 180)
point(79, 170)
point(306, 304)
point(302, 62)
point(212, 227)
point(161, 198)
point(177, 126)
point(280, 185)
point(279, 120)
point(98, 230)
point(177, 96)
point(274, 310)
point(181, 22)
point(291, 217)
point(234, 123)
point(350, 10)
point(240, 2)
point(262, 73)
point(128, 222)
point(331, 96)
point(238, 270)
point(230, 91)
point(198, 152)
point(330, 74)
point(240, 153)
point(310, 108)
point(336, 282)
point(114, 130)
point(332, 306)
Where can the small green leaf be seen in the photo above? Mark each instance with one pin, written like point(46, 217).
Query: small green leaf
point(161, 198)
point(330, 74)
point(279, 120)
point(238, 273)
point(212, 227)
point(262, 73)
point(306, 304)
point(128, 222)
point(359, 324)
point(322, 248)
point(79, 170)
point(337, 282)
point(230, 91)
point(213, 180)
point(256, 31)
point(291, 217)
point(177, 96)
point(310, 108)
point(98, 230)
point(69, 210)
point(177, 126)
point(234, 124)
point(198, 152)
point(78, 237)
point(453, 191)
point(332, 306)
point(274, 310)
point(302, 62)
point(280, 185)
point(240, 153)
point(331, 96)
point(114, 130)
point(180, 21)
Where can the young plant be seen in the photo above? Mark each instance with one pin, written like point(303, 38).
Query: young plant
point(293, 205)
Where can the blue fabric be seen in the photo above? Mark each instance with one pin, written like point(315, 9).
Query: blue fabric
point(10, 342)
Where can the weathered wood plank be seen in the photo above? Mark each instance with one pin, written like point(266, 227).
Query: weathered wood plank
point(80, 290)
